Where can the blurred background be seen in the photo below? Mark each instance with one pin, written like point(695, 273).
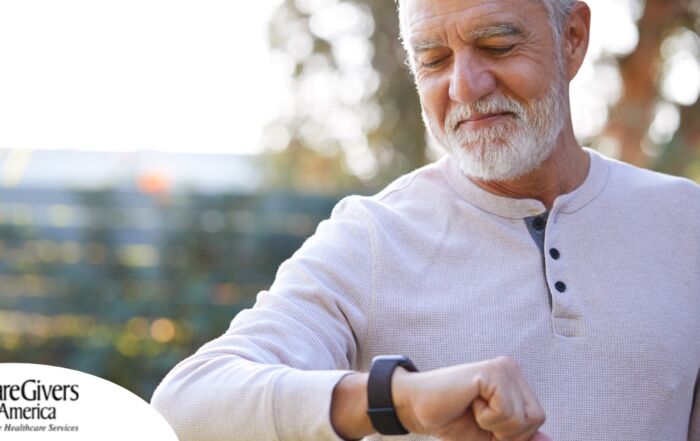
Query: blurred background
point(160, 159)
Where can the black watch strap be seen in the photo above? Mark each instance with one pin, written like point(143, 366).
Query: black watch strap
point(381, 409)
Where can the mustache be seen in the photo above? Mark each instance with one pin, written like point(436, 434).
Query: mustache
point(488, 105)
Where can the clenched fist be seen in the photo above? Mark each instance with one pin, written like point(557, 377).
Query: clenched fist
point(473, 402)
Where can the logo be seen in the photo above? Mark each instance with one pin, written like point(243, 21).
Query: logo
point(24, 405)
point(39, 402)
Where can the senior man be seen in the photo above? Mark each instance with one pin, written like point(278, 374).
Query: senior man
point(521, 275)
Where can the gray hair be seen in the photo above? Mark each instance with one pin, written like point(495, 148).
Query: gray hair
point(558, 13)
point(558, 10)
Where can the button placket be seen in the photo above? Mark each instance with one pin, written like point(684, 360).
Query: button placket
point(552, 260)
point(558, 285)
point(567, 312)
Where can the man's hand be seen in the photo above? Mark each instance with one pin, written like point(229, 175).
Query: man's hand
point(484, 401)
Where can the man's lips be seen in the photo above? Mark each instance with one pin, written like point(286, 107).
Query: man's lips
point(476, 121)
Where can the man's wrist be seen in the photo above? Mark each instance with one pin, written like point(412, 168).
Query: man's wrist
point(349, 404)
point(382, 407)
point(401, 394)
point(349, 407)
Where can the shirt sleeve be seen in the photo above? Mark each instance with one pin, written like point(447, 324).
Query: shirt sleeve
point(694, 429)
point(272, 374)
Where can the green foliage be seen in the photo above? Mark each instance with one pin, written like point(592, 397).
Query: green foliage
point(126, 285)
point(354, 118)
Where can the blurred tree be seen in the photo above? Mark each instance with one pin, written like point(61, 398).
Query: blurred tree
point(130, 283)
point(654, 126)
point(353, 118)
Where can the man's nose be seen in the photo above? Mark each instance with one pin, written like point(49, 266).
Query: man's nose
point(471, 79)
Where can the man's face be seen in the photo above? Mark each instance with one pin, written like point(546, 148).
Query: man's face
point(491, 81)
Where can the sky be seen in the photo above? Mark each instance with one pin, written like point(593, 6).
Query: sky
point(171, 75)
point(193, 76)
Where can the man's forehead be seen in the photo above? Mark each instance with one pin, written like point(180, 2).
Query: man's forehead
point(416, 12)
point(423, 19)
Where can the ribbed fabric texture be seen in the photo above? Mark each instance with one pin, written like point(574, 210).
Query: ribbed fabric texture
point(439, 270)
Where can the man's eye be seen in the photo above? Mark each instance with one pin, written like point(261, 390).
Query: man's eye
point(499, 50)
point(432, 64)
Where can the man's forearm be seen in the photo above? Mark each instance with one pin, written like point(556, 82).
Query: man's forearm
point(349, 407)
point(214, 397)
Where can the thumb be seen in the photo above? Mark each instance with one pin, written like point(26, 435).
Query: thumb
point(539, 436)
point(479, 406)
point(482, 412)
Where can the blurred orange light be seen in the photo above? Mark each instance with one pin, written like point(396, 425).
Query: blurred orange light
point(163, 330)
point(153, 183)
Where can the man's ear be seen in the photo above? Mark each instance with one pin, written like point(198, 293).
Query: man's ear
point(575, 38)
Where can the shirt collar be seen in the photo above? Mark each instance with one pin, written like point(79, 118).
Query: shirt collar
point(512, 208)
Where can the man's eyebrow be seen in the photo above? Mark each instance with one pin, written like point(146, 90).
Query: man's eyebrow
point(496, 30)
point(426, 44)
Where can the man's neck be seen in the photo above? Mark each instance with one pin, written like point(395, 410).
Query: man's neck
point(564, 171)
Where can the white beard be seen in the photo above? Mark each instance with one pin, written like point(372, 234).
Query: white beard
point(508, 148)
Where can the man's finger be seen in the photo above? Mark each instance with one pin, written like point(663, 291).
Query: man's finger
point(481, 409)
point(539, 436)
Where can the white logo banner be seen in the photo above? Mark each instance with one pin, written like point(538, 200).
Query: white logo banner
point(40, 402)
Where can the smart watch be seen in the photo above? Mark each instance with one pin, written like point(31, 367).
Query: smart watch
point(380, 407)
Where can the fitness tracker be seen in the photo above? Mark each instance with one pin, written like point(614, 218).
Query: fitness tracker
point(381, 409)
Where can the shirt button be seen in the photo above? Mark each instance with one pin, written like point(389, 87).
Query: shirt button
point(555, 253)
point(560, 286)
point(539, 223)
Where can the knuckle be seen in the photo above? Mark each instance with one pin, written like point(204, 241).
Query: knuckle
point(482, 377)
point(506, 362)
point(533, 413)
point(536, 417)
point(504, 359)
